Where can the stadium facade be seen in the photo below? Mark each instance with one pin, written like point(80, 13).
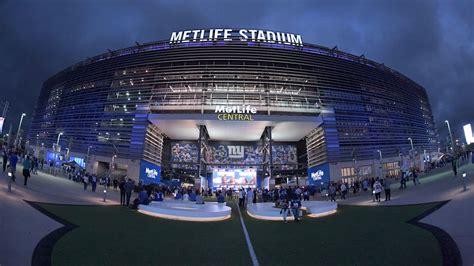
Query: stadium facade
point(210, 105)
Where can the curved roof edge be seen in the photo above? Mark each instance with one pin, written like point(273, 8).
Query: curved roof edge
point(164, 45)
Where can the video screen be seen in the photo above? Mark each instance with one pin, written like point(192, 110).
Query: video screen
point(234, 178)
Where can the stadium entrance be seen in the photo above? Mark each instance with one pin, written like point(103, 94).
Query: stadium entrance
point(233, 153)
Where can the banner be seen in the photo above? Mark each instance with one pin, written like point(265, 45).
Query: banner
point(184, 154)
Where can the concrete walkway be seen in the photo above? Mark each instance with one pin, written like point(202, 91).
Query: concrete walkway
point(22, 227)
point(456, 217)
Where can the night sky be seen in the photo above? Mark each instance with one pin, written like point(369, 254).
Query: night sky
point(431, 42)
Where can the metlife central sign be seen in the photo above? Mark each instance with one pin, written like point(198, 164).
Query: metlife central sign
point(242, 35)
point(238, 112)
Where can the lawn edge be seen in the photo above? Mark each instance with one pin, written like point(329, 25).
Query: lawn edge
point(450, 253)
point(42, 253)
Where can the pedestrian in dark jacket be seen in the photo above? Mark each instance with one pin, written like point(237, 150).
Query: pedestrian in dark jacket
point(128, 190)
point(122, 192)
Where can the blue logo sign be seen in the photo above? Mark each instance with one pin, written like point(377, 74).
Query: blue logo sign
point(149, 172)
point(319, 175)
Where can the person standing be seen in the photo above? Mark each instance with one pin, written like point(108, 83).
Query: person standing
point(332, 192)
point(377, 190)
point(295, 208)
point(122, 192)
point(365, 184)
point(26, 169)
point(94, 183)
point(85, 181)
point(250, 196)
point(128, 191)
point(241, 198)
point(387, 184)
point(5, 160)
point(284, 210)
point(343, 191)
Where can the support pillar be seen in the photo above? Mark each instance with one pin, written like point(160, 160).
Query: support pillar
point(202, 156)
point(267, 163)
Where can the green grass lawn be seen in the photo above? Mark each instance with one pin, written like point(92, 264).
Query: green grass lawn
point(353, 236)
point(118, 236)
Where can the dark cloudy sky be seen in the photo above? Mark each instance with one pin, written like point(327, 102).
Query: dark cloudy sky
point(432, 42)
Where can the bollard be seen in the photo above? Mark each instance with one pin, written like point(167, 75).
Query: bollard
point(105, 194)
point(464, 181)
point(10, 178)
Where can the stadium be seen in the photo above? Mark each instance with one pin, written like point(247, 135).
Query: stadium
point(213, 108)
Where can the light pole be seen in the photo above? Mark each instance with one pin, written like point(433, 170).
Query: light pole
point(450, 134)
point(55, 148)
point(380, 163)
point(412, 155)
point(19, 127)
point(59, 137)
point(411, 143)
point(87, 156)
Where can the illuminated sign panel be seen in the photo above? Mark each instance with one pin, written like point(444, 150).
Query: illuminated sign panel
point(468, 134)
point(243, 35)
point(2, 119)
point(319, 175)
point(149, 172)
point(244, 112)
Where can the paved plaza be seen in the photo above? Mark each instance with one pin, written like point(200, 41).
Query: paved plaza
point(22, 226)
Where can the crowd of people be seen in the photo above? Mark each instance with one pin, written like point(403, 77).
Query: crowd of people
point(11, 158)
point(288, 199)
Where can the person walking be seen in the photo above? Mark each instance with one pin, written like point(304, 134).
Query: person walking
point(284, 210)
point(386, 185)
point(377, 190)
point(10, 178)
point(128, 190)
point(455, 167)
point(122, 192)
point(26, 169)
point(13, 159)
point(5, 160)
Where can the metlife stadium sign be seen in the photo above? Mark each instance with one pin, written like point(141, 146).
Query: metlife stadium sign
point(243, 35)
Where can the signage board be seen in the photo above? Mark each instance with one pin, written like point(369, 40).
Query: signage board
point(243, 35)
point(467, 134)
point(319, 175)
point(238, 112)
point(150, 173)
point(2, 120)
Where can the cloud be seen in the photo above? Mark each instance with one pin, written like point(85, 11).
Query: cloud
point(431, 42)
